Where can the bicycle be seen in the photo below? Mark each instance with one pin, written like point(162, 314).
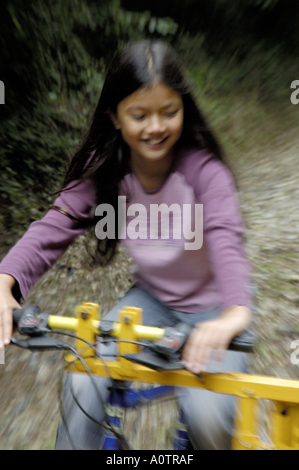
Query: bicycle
point(161, 365)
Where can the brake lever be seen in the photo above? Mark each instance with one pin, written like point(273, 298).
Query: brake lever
point(32, 322)
point(165, 354)
point(40, 343)
point(173, 340)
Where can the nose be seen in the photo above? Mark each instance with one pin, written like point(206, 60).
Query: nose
point(156, 125)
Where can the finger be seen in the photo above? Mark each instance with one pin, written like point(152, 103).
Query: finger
point(199, 363)
point(198, 350)
point(220, 347)
point(1, 331)
point(204, 353)
point(208, 342)
point(190, 347)
point(202, 359)
point(6, 327)
point(218, 355)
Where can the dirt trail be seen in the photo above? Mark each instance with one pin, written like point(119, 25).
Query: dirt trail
point(269, 195)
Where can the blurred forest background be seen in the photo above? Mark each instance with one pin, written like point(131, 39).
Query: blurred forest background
point(54, 53)
point(241, 56)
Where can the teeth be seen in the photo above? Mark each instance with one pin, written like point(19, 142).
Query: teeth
point(155, 141)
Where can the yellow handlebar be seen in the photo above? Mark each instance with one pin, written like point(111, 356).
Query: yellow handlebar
point(248, 388)
point(89, 313)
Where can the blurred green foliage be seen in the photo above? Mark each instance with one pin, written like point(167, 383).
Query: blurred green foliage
point(53, 56)
point(246, 43)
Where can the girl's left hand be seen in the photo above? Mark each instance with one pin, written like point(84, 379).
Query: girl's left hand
point(209, 340)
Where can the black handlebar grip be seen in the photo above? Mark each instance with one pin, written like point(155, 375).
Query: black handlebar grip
point(245, 342)
point(17, 316)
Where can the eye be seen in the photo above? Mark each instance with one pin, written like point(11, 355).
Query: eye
point(139, 117)
point(171, 113)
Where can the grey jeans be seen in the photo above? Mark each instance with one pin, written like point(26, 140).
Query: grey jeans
point(209, 415)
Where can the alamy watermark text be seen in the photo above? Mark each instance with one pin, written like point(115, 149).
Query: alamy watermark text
point(2, 93)
point(295, 95)
point(158, 222)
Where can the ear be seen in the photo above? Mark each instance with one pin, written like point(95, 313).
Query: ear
point(114, 119)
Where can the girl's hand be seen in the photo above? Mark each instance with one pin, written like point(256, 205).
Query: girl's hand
point(209, 340)
point(7, 305)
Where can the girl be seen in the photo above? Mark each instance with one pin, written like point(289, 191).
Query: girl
point(149, 142)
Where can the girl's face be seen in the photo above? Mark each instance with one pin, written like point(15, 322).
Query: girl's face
point(151, 122)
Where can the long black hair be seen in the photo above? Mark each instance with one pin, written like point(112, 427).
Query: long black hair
point(103, 154)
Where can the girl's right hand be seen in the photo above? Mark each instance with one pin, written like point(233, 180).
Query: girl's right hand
point(7, 304)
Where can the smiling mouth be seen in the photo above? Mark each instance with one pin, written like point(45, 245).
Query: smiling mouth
point(155, 142)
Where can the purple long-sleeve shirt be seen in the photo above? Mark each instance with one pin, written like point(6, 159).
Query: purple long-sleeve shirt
point(189, 280)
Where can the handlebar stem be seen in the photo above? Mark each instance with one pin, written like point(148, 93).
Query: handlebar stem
point(85, 309)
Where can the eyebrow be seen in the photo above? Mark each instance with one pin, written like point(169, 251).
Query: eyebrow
point(142, 108)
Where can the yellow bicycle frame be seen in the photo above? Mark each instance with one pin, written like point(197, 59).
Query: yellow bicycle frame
point(249, 389)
